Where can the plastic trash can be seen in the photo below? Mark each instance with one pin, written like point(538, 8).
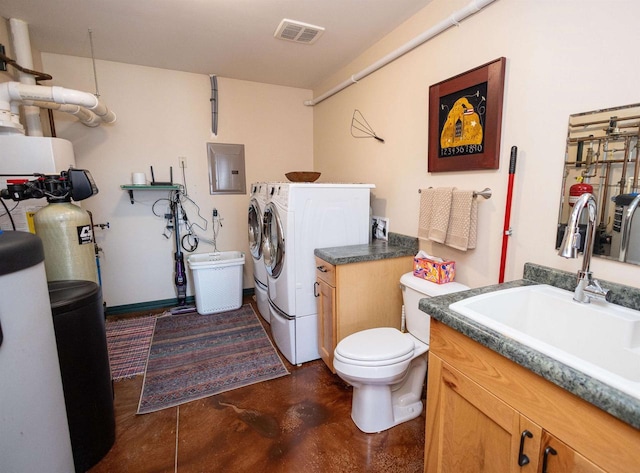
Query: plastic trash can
point(78, 321)
point(34, 433)
point(217, 279)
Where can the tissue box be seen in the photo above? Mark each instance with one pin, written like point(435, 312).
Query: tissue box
point(434, 271)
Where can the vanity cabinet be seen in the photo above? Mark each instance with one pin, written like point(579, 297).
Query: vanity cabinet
point(558, 456)
point(486, 413)
point(357, 296)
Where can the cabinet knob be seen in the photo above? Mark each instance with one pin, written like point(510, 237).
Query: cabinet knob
point(315, 289)
point(522, 458)
point(322, 269)
point(547, 451)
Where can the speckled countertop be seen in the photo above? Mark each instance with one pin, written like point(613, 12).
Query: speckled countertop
point(601, 395)
point(397, 246)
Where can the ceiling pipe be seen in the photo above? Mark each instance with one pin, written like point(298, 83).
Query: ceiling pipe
point(95, 112)
point(22, 48)
point(454, 20)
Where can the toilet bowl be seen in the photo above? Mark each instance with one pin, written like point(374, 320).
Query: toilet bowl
point(387, 367)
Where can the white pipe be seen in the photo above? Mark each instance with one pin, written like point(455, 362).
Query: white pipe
point(17, 92)
point(10, 120)
point(22, 48)
point(86, 117)
point(454, 20)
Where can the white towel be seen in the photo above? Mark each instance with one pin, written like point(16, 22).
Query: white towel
point(462, 230)
point(473, 224)
point(426, 208)
point(440, 214)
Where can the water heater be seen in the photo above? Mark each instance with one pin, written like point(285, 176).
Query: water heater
point(31, 154)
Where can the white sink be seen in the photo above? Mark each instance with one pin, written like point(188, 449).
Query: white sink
point(599, 339)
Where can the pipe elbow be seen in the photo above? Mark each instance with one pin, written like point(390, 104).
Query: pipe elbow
point(109, 117)
point(106, 115)
point(86, 117)
point(74, 97)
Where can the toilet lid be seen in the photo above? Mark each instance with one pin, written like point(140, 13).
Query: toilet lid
point(376, 344)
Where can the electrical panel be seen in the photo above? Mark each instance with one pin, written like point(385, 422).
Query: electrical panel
point(226, 168)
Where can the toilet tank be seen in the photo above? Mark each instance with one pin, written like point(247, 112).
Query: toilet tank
point(414, 289)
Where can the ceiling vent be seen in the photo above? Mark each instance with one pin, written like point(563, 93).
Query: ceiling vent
point(298, 32)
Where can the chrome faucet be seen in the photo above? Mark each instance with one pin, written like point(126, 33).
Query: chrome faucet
point(587, 287)
point(628, 220)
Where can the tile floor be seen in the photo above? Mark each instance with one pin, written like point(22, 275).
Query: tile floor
point(296, 423)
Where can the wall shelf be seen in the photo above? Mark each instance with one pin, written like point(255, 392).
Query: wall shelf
point(144, 187)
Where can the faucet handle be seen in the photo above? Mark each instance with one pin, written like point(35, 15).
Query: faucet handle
point(595, 291)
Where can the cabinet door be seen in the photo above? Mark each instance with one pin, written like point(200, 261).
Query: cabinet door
point(558, 457)
point(470, 430)
point(326, 297)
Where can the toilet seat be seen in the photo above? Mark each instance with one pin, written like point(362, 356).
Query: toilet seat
point(375, 347)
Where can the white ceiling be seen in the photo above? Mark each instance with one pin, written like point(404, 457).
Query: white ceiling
point(230, 38)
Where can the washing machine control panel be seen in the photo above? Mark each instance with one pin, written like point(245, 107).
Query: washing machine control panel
point(279, 192)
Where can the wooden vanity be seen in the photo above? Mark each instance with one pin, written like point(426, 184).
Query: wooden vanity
point(495, 407)
point(357, 296)
point(358, 287)
point(481, 407)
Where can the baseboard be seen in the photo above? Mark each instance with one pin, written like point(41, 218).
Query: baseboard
point(160, 304)
point(248, 291)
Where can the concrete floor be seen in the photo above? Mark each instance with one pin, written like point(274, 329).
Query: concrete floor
point(296, 423)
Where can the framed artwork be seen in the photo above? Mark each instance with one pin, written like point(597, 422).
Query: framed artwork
point(465, 119)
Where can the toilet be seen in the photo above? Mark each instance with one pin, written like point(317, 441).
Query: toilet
point(387, 367)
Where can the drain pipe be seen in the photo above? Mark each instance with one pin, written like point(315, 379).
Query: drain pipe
point(86, 117)
point(454, 20)
point(59, 98)
point(22, 48)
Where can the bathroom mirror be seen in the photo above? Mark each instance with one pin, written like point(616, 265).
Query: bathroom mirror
point(601, 157)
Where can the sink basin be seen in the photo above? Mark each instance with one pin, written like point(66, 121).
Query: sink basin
point(599, 339)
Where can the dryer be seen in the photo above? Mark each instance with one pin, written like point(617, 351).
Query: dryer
point(257, 202)
point(298, 218)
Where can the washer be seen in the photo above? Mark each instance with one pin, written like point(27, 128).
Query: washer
point(298, 218)
point(257, 203)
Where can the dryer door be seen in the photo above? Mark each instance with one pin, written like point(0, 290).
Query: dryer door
point(272, 241)
point(255, 230)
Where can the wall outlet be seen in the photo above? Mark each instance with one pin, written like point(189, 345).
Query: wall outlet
point(182, 161)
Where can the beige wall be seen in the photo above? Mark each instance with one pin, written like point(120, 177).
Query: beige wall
point(560, 61)
point(562, 58)
point(164, 114)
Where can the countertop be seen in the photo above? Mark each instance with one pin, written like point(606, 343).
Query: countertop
point(397, 246)
point(601, 395)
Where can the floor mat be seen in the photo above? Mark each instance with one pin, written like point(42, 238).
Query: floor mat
point(194, 356)
point(128, 342)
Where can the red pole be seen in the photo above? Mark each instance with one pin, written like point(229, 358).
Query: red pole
point(507, 214)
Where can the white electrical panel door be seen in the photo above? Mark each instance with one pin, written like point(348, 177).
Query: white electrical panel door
point(226, 168)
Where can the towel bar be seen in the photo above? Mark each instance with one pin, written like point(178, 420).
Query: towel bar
point(486, 192)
